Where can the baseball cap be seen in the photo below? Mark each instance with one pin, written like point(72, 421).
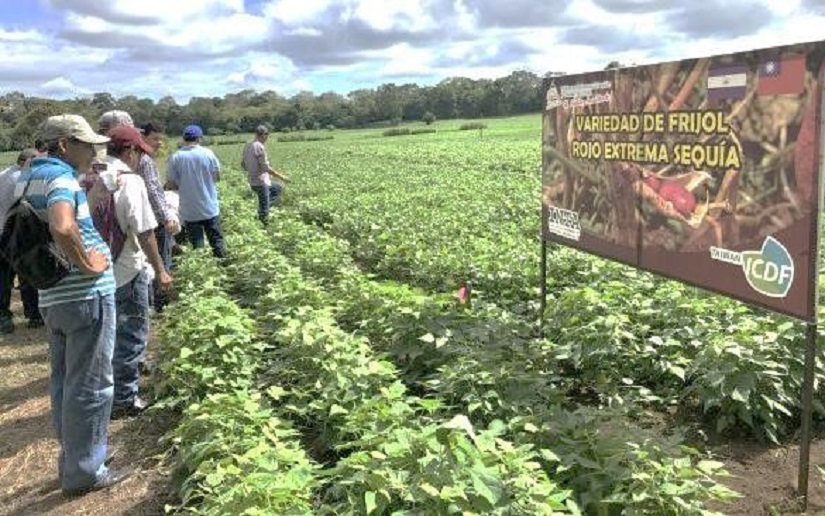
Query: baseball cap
point(193, 131)
point(129, 137)
point(115, 118)
point(69, 126)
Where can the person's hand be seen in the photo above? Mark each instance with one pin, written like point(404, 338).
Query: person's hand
point(165, 281)
point(172, 226)
point(98, 263)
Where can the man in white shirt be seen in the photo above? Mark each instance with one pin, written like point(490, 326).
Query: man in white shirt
point(137, 262)
point(28, 294)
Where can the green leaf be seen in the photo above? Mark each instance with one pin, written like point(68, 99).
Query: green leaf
point(429, 489)
point(369, 501)
point(335, 409)
point(461, 422)
point(428, 338)
point(482, 485)
point(709, 467)
point(549, 455)
point(186, 353)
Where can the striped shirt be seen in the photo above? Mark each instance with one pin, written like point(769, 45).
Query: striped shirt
point(53, 181)
point(149, 172)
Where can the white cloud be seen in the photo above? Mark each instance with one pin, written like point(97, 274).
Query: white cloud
point(304, 31)
point(405, 60)
point(295, 12)
point(384, 15)
point(209, 47)
point(62, 87)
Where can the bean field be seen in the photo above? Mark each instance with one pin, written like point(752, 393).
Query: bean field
point(329, 366)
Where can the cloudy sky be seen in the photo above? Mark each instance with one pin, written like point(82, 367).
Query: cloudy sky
point(185, 48)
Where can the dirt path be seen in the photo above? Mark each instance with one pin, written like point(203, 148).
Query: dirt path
point(28, 449)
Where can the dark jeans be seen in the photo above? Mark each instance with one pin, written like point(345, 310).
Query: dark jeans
point(267, 196)
point(164, 239)
point(132, 309)
point(212, 227)
point(27, 293)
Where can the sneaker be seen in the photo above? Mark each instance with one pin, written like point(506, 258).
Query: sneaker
point(6, 325)
point(108, 480)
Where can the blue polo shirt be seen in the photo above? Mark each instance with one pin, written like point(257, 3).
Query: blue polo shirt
point(195, 170)
point(52, 181)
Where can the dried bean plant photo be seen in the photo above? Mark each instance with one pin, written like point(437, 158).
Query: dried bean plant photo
point(690, 160)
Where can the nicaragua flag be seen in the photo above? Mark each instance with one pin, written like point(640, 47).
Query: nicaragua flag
point(728, 81)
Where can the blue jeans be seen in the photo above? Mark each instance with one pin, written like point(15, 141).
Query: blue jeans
point(267, 196)
point(164, 240)
point(157, 298)
point(212, 227)
point(132, 301)
point(81, 342)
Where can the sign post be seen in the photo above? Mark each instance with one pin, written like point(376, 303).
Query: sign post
point(705, 171)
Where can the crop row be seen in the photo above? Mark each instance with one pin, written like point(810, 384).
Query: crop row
point(387, 450)
point(232, 453)
point(463, 362)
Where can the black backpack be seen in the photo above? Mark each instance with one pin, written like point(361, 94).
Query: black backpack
point(27, 245)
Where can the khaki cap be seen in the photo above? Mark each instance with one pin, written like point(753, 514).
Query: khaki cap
point(70, 126)
point(115, 118)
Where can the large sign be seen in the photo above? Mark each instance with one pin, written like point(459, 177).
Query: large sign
point(703, 170)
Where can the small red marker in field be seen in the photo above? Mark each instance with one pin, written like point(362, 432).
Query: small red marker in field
point(463, 294)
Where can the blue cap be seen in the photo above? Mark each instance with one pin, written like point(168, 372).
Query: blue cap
point(193, 131)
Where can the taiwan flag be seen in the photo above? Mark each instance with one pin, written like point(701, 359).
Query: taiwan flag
point(782, 76)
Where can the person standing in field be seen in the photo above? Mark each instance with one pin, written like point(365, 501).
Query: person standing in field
point(153, 136)
point(256, 163)
point(28, 294)
point(123, 214)
point(194, 170)
point(79, 311)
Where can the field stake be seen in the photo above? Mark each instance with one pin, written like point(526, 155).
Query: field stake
point(807, 414)
point(543, 287)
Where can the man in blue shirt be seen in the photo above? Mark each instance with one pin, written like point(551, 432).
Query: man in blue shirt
point(79, 311)
point(194, 171)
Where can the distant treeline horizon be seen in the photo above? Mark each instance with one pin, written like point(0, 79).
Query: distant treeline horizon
point(240, 112)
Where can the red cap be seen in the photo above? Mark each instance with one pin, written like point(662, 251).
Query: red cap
point(129, 137)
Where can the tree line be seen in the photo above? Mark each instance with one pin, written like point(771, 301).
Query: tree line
point(240, 112)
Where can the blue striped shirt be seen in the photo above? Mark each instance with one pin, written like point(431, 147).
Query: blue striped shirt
point(53, 181)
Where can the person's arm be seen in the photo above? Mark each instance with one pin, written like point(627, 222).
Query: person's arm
point(278, 174)
point(149, 172)
point(66, 234)
point(216, 168)
point(140, 219)
point(149, 245)
point(172, 179)
point(263, 164)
